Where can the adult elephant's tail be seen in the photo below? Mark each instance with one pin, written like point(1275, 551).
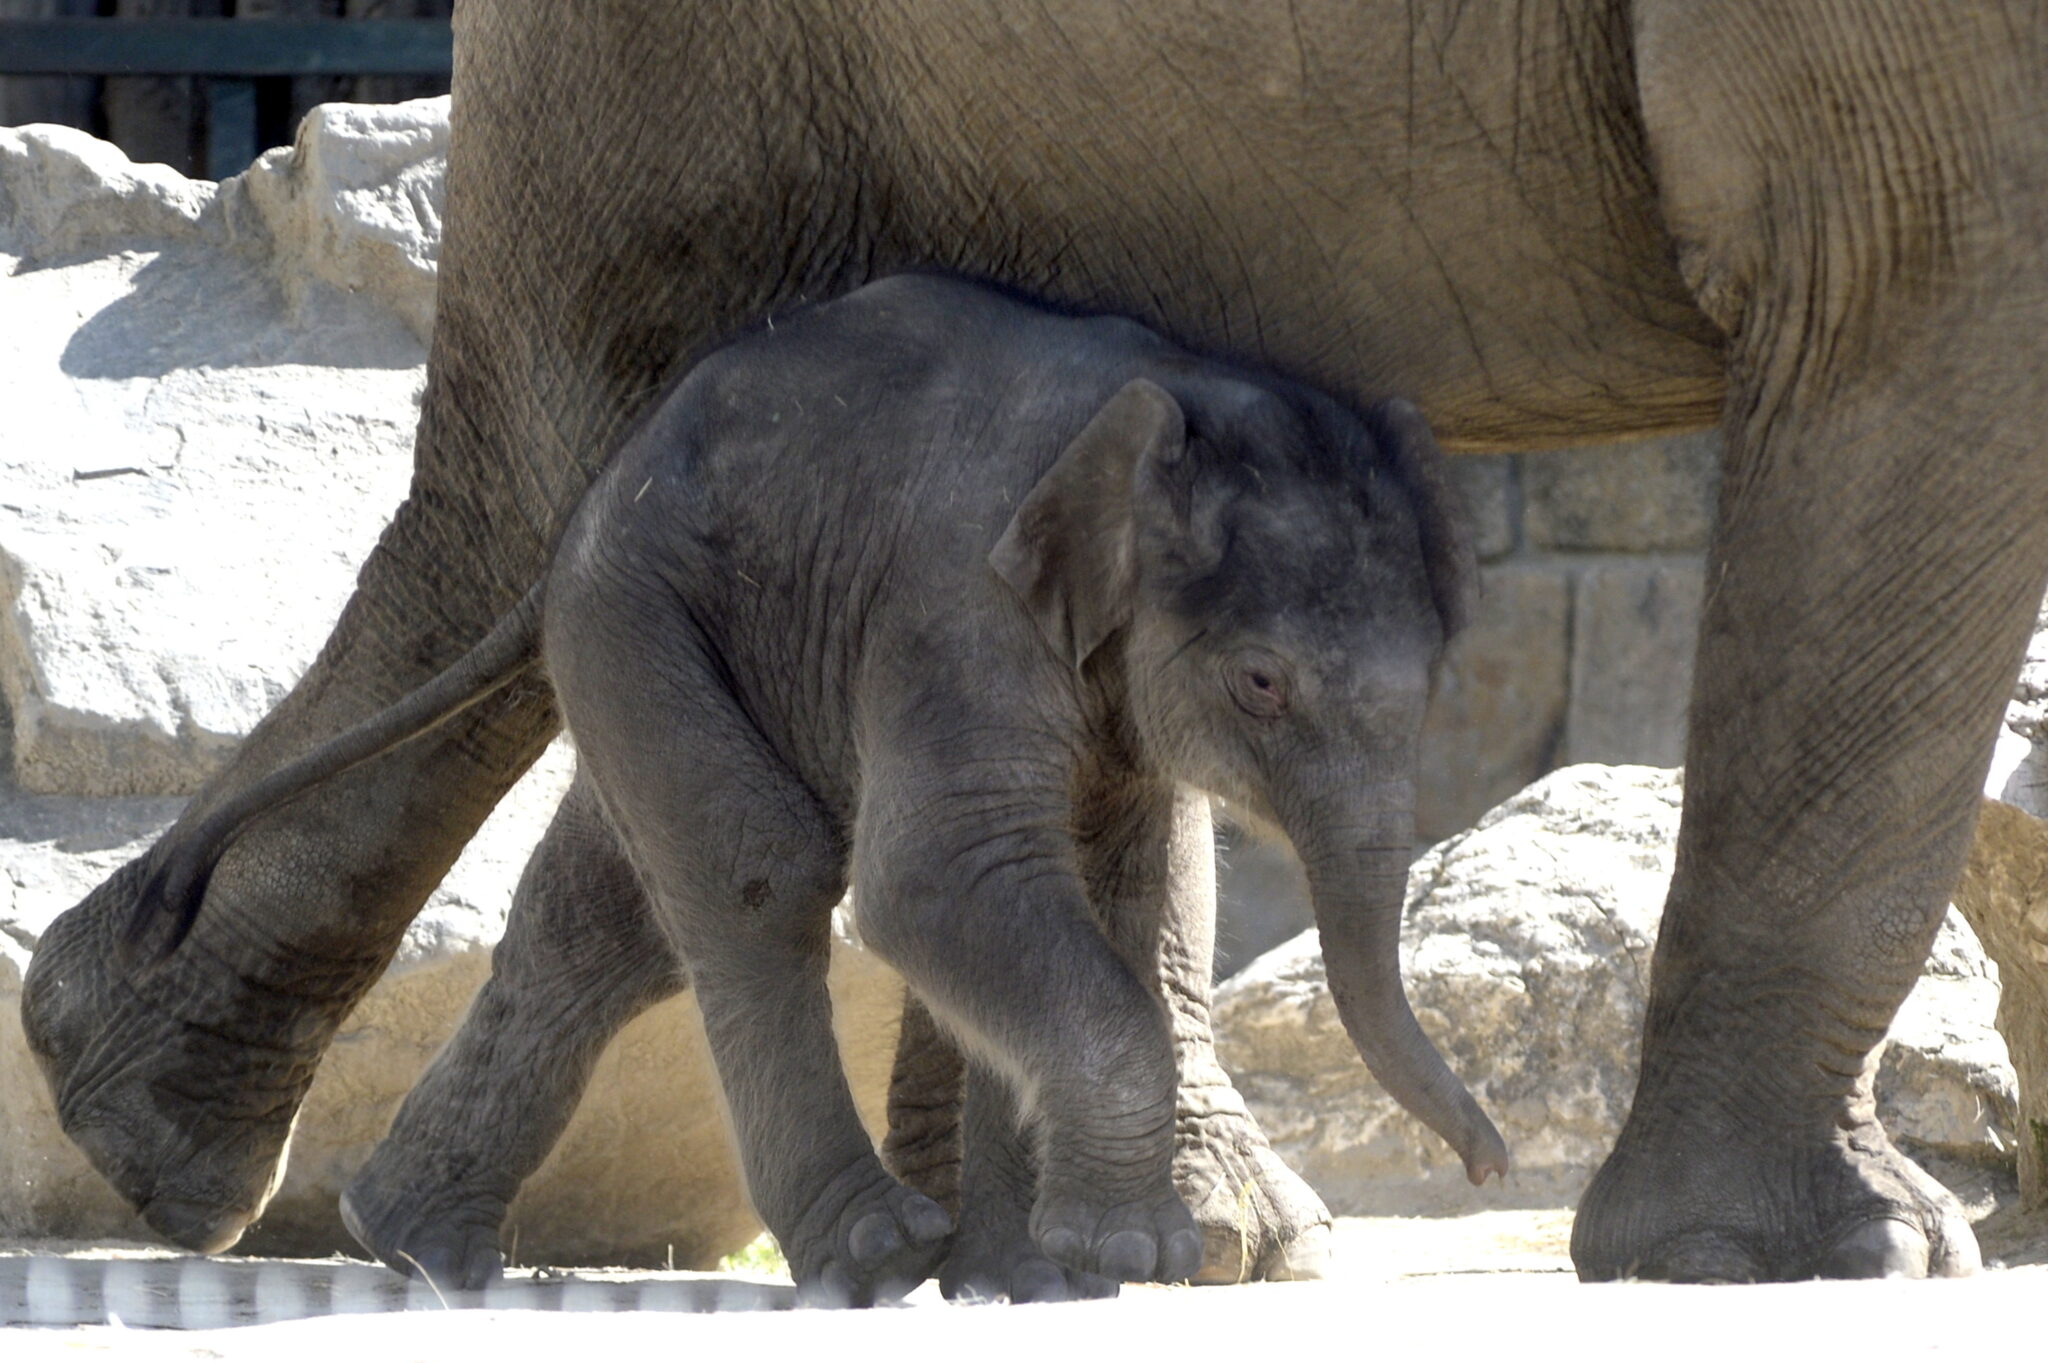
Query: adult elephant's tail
point(182, 861)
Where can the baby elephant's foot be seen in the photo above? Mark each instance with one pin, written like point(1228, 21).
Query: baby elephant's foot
point(1014, 1271)
point(994, 1259)
point(425, 1232)
point(1149, 1239)
point(872, 1246)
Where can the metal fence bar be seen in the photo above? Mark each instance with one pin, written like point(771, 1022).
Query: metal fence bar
point(225, 47)
point(230, 125)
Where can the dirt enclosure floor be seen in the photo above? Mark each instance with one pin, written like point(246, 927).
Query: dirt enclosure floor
point(1496, 1285)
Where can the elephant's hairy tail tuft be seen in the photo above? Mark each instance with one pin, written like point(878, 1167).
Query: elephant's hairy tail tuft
point(181, 864)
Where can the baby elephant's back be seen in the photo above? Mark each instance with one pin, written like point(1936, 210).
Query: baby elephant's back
point(916, 411)
point(832, 485)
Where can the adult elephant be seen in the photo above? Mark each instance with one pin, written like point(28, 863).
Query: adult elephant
point(1823, 220)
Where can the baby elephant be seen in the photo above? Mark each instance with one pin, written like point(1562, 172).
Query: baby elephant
point(949, 594)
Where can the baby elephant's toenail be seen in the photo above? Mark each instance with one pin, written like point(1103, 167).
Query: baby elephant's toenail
point(874, 1239)
point(1063, 1246)
point(926, 1220)
point(1129, 1255)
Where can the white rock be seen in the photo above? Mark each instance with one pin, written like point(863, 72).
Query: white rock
point(207, 395)
point(63, 192)
point(2019, 764)
point(355, 203)
point(1527, 950)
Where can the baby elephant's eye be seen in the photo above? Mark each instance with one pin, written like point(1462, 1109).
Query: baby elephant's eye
point(1258, 686)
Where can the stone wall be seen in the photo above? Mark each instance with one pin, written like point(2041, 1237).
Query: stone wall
point(1582, 647)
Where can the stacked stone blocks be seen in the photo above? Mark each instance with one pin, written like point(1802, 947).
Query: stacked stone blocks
point(1592, 565)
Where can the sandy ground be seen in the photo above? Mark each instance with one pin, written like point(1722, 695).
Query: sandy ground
point(1497, 1285)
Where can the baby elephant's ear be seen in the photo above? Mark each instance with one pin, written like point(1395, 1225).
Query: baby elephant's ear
point(1453, 568)
point(1070, 551)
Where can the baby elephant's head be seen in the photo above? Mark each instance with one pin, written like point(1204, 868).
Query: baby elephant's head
point(1279, 577)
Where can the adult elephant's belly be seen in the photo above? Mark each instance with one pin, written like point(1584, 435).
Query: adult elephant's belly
point(1456, 209)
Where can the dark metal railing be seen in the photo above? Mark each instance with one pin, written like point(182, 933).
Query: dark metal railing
point(229, 56)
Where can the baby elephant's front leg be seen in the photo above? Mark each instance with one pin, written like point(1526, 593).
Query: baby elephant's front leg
point(994, 1256)
point(995, 933)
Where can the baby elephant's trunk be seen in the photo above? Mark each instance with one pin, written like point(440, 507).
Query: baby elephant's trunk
point(1359, 879)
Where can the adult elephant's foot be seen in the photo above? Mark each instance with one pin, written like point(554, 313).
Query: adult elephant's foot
point(425, 1226)
point(180, 1086)
point(1689, 1205)
point(1259, 1220)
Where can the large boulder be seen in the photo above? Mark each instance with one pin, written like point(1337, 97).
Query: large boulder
point(1527, 952)
point(2019, 763)
point(210, 395)
point(2004, 894)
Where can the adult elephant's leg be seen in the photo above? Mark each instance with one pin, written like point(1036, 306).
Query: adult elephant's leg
point(1864, 208)
point(582, 957)
point(606, 217)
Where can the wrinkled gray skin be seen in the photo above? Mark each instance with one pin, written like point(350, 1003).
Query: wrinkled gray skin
point(958, 595)
point(1816, 221)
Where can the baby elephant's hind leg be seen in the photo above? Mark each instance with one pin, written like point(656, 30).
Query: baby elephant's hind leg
point(582, 956)
point(1259, 1219)
point(743, 865)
